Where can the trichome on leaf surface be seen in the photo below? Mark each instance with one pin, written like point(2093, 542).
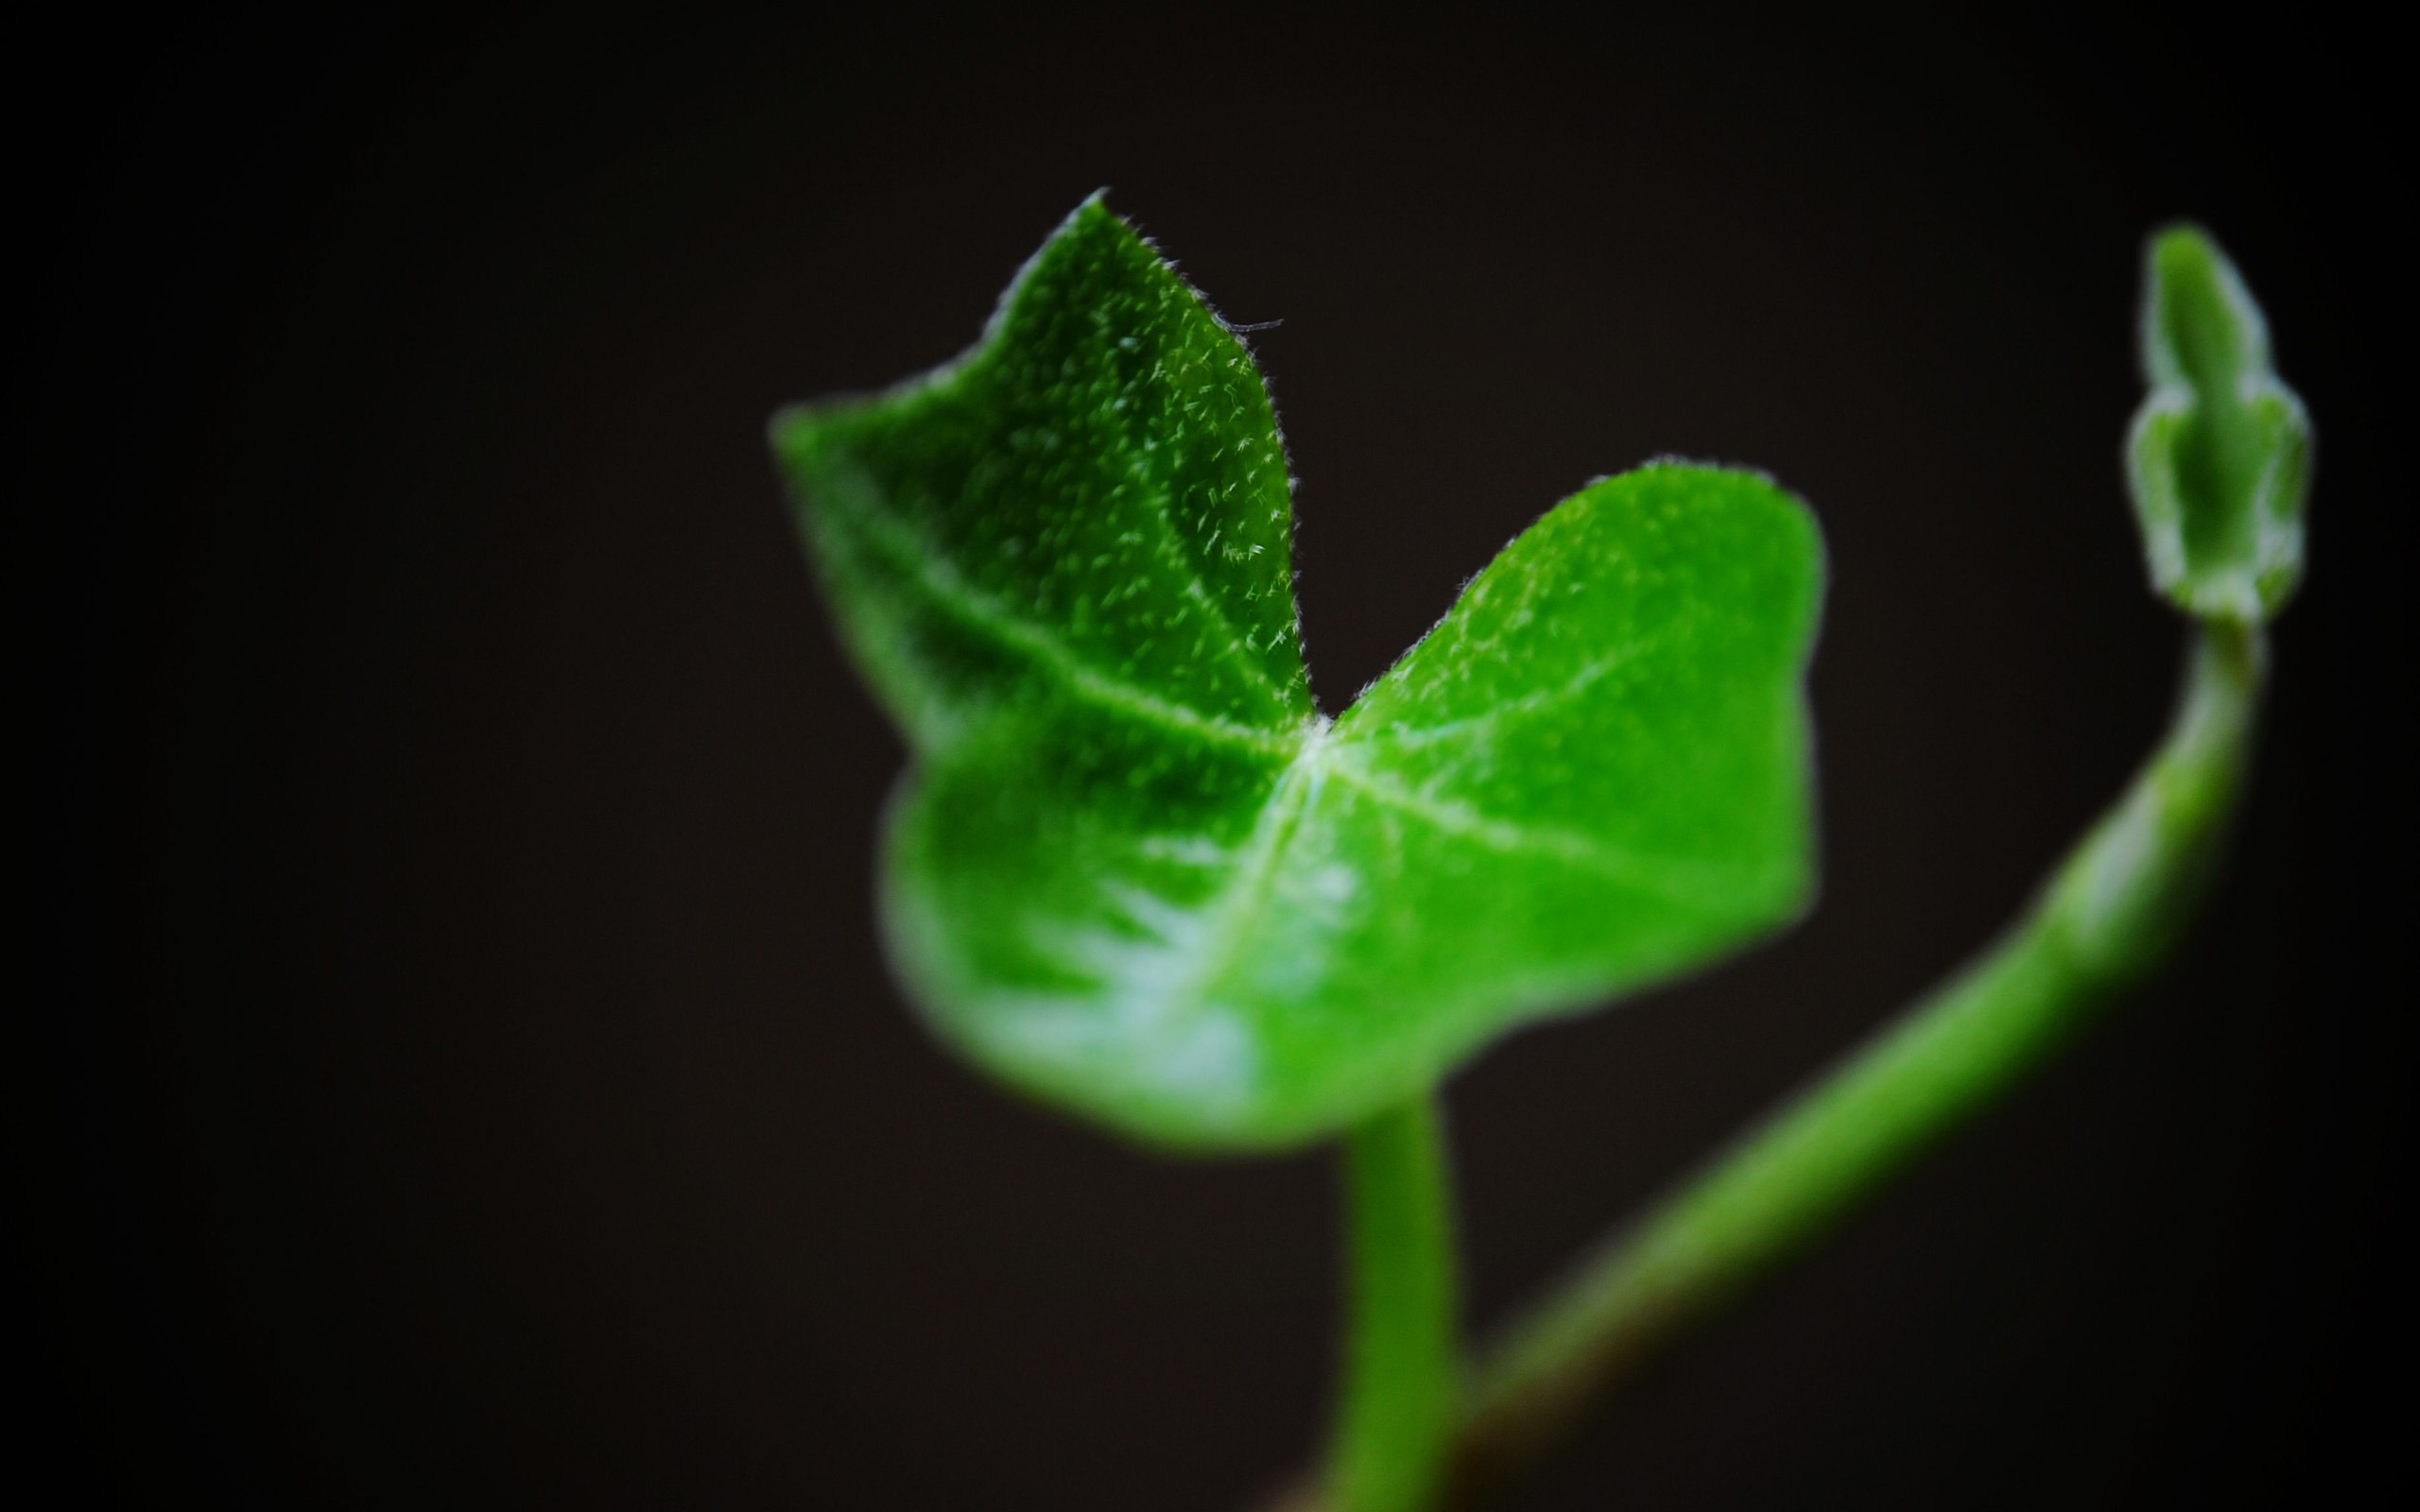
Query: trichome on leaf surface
point(1134, 873)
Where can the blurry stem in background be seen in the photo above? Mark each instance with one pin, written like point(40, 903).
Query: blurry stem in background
point(1402, 1386)
point(2107, 916)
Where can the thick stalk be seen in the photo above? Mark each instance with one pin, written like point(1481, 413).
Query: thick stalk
point(1402, 1386)
point(2107, 915)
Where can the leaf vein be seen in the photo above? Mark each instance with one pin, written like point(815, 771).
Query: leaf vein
point(1400, 736)
point(1680, 879)
point(929, 572)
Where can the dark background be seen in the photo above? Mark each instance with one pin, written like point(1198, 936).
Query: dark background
point(461, 1071)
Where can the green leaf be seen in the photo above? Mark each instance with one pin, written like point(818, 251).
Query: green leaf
point(1135, 873)
point(2219, 456)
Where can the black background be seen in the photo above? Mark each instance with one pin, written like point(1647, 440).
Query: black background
point(462, 1070)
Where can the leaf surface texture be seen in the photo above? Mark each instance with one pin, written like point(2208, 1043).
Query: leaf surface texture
point(1133, 871)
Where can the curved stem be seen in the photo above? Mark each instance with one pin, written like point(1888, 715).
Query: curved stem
point(1401, 1370)
point(2107, 915)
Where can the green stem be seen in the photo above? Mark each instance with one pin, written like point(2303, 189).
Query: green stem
point(2105, 917)
point(1402, 1372)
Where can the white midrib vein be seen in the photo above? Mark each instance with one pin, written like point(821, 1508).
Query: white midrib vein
point(1614, 658)
point(1296, 794)
point(941, 584)
point(1311, 754)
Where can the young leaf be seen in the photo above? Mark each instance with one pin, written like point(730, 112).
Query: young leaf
point(1134, 873)
point(2219, 456)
